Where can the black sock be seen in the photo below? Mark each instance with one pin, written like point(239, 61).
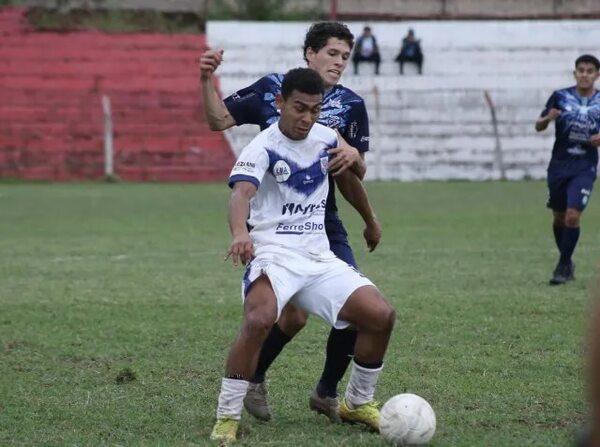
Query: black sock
point(374, 365)
point(558, 231)
point(340, 347)
point(567, 244)
point(271, 348)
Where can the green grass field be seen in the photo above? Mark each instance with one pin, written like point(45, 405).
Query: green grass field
point(99, 280)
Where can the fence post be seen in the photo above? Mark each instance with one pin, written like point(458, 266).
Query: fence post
point(109, 173)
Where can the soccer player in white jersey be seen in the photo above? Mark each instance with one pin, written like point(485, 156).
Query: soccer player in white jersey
point(276, 217)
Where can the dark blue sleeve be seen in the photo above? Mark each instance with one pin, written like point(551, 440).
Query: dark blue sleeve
point(550, 104)
point(245, 105)
point(356, 132)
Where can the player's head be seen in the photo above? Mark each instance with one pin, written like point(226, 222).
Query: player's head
point(586, 72)
point(300, 102)
point(327, 48)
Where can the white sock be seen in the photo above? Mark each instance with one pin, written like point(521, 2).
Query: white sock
point(231, 398)
point(361, 386)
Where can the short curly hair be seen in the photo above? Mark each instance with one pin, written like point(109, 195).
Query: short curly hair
point(319, 33)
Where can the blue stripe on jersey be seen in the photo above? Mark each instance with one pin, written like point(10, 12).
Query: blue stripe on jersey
point(303, 180)
point(243, 178)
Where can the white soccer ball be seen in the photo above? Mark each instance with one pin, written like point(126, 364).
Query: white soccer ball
point(407, 419)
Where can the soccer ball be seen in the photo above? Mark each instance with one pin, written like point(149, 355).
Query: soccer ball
point(407, 419)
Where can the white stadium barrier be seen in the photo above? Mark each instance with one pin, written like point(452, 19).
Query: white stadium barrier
point(434, 126)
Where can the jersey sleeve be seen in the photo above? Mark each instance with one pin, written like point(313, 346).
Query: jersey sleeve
point(550, 104)
point(245, 104)
point(251, 165)
point(357, 130)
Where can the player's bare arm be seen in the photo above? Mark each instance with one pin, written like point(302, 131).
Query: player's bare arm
point(217, 115)
point(241, 249)
point(346, 156)
point(543, 122)
point(354, 192)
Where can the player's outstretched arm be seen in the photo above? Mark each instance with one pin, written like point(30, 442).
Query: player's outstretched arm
point(543, 121)
point(354, 192)
point(346, 156)
point(241, 249)
point(217, 115)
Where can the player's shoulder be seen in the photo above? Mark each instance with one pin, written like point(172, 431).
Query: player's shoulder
point(271, 81)
point(324, 134)
point(346, 94)
point(566, 91)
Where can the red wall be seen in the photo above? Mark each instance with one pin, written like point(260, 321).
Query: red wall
point(51, 123)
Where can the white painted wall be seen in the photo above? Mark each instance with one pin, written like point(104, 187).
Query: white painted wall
point(435, 126)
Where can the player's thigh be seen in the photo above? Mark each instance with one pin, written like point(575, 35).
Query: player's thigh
point(260, 303)
point(327, 292)
point(282, 281)
point(579, 191)
point(368, 309)
point(292, 319)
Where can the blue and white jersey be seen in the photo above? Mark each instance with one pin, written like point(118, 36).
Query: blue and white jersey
point(579, 119)
point(288, 209)
point(342, 109)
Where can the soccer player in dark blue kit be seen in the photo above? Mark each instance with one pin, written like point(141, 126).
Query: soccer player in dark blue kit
point(572, 168)
point(327, 50)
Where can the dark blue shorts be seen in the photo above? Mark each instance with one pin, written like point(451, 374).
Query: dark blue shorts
point(343, 251)
point(569, 191)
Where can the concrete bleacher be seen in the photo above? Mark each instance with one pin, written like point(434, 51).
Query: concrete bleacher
point(51, 122)
point(435, 126)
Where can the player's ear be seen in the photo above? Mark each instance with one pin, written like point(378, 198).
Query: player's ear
point(279, 101)
point(309, 54)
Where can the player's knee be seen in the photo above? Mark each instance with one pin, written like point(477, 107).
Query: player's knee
point(389, 318)
point(257, 324)
point(292, 320)
point(385, 318)
point(572, 219)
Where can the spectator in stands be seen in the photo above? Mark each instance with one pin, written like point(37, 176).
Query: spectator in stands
point(366, 50)
point(410, 52)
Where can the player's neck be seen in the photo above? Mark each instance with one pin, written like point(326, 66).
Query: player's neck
point(586, 93)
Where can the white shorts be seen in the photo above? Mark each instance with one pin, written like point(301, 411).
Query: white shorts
point(320, 287)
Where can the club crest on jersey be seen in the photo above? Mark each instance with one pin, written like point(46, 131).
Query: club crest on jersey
point(324, 162)
point(281, 171)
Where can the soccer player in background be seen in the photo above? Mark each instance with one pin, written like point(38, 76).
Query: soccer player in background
point(572, 168)
point(327, 48)
point(287, 253)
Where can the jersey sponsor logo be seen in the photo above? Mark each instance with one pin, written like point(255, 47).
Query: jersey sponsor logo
point(586, 192)
point(292, 208)
point(306, 227)
point(324, 163)
point(334, 122)
point(353, 129)
point(281, 171)
point(244, 166)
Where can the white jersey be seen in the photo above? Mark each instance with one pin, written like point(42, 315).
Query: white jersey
point(288, 210)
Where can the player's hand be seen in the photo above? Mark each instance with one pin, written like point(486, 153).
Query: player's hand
point(209, 62)
point(553, 114)
point(241, 250)
point(372, 234)
point(595, 140)
point(344, 156)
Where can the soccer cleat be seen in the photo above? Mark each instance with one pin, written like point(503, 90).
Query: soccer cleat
point(562, 273)
point(328, 406)
point(225, 431)
point(256, 402)
point(367, 414)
